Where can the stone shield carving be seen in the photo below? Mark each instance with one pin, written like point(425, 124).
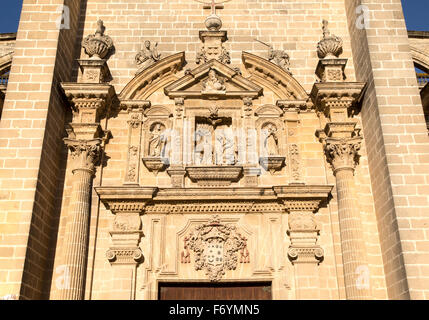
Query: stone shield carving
point(215, 246)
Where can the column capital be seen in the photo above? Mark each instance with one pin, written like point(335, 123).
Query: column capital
point(85, 153)
point(343, 154)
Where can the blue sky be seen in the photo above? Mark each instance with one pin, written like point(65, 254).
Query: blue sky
point(416, 14)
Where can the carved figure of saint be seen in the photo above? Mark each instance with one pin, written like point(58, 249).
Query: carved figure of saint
point(203, 147)
point(157, 141)
point(271, 142)
point(225, 146)
point(280, 58)
point(147, 56)
point(213, 83)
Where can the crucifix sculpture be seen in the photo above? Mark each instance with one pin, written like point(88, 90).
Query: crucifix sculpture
point(213, 5)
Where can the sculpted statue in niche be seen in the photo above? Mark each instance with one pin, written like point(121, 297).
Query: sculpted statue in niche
point(225, 146)
point(204, 146)
point(147, 56)
point(270, 140)
point(157, 141)
point(215, 141)
point(213, 84)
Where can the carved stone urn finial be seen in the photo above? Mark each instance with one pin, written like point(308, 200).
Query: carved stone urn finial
point(98, 45)
point(330, 46)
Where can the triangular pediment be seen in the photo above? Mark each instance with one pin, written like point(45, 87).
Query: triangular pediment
point(198, 83)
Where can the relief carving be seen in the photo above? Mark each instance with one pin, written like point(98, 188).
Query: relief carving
point(215, 246)
point(213, 85)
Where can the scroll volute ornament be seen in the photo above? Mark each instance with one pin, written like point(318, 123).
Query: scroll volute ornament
point(98, 45)
point(330, 46)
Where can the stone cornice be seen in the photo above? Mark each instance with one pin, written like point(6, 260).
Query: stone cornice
point(125, 199)
point(293, 198)
point(323, 90)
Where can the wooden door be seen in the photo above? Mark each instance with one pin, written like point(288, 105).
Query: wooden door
point(219, 291)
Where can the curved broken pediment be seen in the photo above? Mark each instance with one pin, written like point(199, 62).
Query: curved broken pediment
point(158, 74)
point(274, 77)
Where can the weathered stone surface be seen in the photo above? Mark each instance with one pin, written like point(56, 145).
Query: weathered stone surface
point(204, 165)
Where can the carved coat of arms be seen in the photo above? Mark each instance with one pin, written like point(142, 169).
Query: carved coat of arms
point(215, 246)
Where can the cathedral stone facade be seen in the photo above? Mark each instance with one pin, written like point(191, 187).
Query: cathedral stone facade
point(246, 149)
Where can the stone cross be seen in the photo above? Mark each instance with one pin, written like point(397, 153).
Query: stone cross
point(213, 5)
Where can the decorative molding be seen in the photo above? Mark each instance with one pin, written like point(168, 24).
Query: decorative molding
point(272, 163)
point(139, 87)
point(303, 254)
point(281, 82)
point(214, 175)
point(216, 246)
point(156, 164)
point(124, 255)
point(295, 162)
point(190, 85)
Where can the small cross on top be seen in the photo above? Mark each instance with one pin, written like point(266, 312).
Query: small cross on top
point(213, 4)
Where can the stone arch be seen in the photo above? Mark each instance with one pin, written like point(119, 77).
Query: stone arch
point(269, 75)
point(152, 78)
point(5, 62)
point(420, 58)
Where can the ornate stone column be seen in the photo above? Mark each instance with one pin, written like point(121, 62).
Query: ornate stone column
point(335, 101)
point(85, 154)
point(90, 100)
point(343, 155)
point(302, 203)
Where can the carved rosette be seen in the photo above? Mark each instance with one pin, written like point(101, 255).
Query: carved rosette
point(343, 154)
point(85, 154)
point(216, 247)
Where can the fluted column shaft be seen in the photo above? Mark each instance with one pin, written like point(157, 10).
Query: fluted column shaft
point(351, 231)
point(76, 236)
point(343, 154)
point(84, 154)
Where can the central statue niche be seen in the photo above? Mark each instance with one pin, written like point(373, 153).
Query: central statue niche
point(215, 155)
point(214, 140)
